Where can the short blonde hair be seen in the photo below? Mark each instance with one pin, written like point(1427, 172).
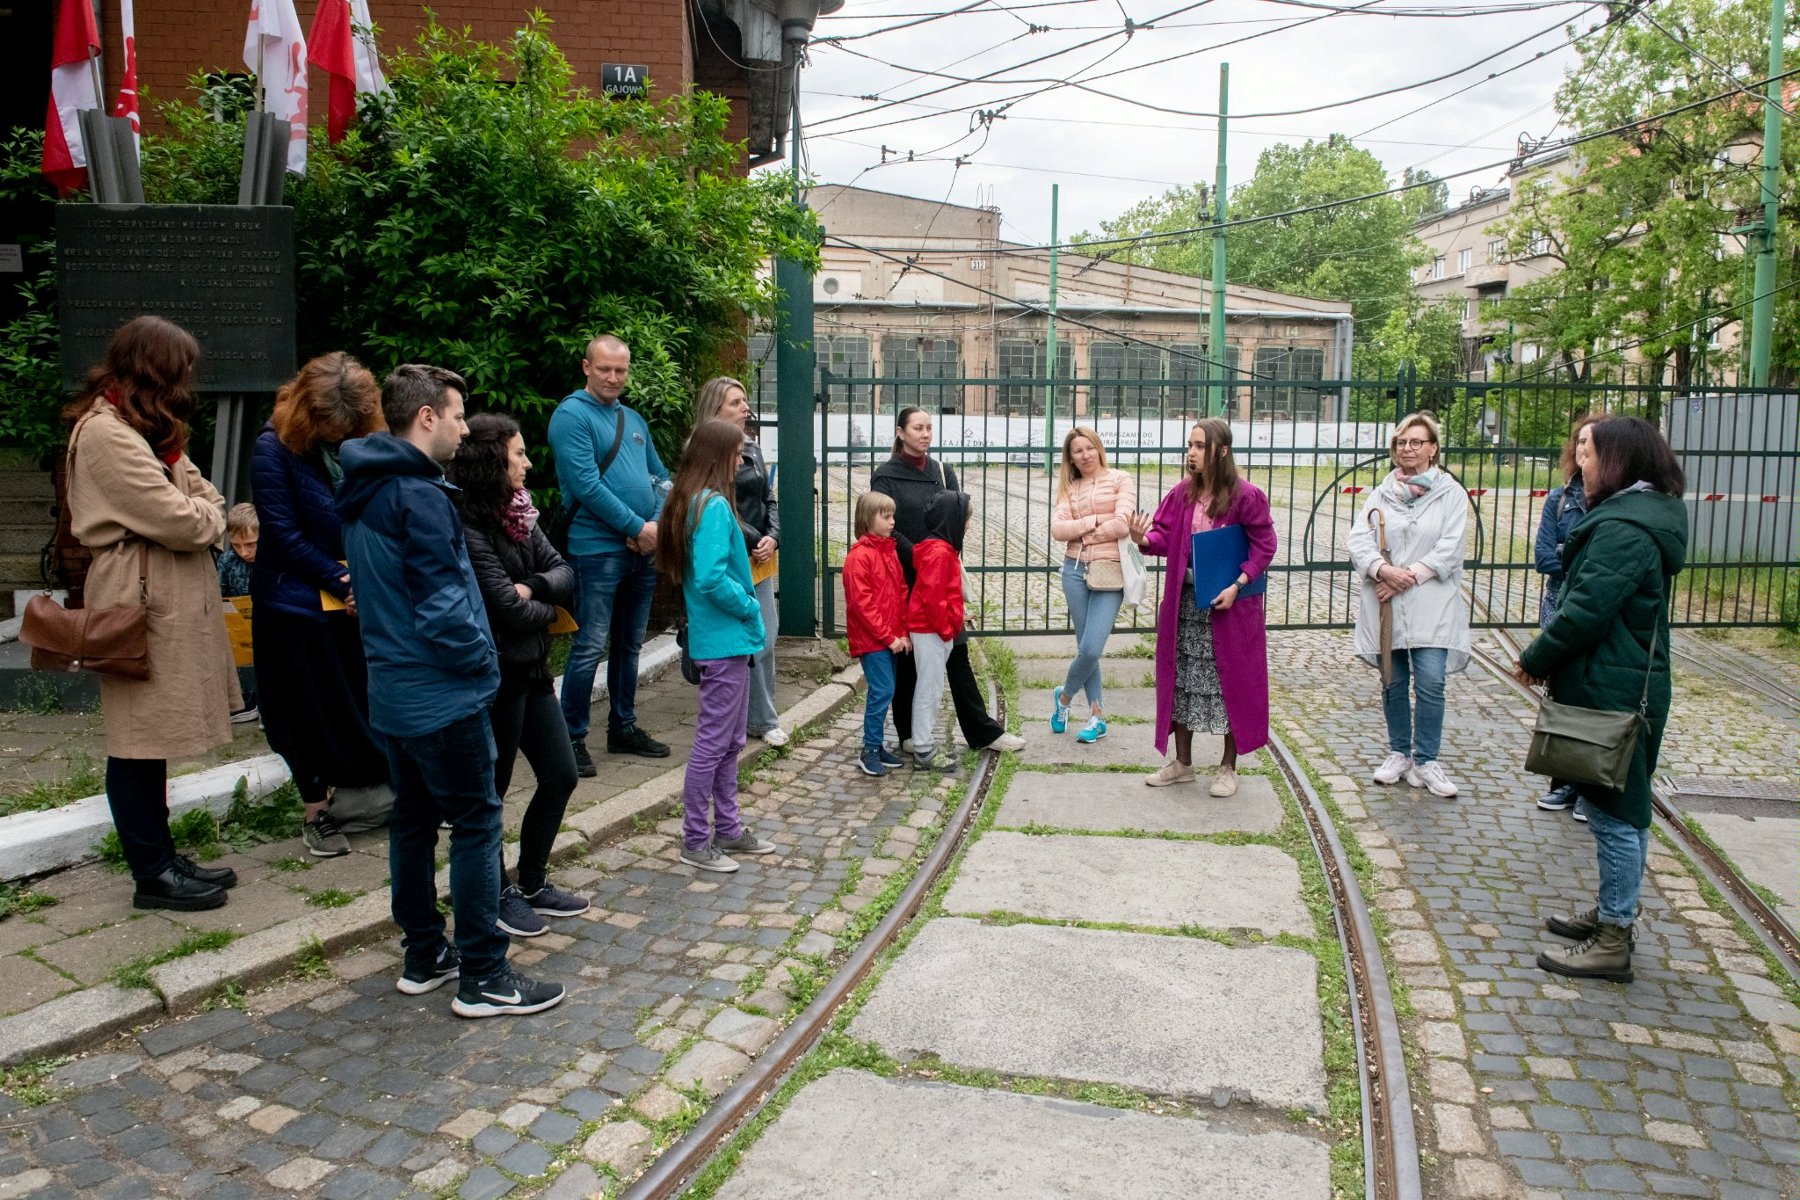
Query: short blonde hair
point(870, 505)
point(1431, 428)
point(242, 519)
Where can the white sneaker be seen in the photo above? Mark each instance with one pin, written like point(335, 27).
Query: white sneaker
point(1430, 775)
point(774, 737)
point(1393, 767)
point(1224, 782)
point(1007, 742)
point(1172, 772)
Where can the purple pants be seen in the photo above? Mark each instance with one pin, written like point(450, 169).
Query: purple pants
point(711, 785)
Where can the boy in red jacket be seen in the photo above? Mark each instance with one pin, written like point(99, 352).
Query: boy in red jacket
point(874, 613)
point(934, 616)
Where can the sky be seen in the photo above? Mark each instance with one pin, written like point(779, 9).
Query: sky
point(1108, 153)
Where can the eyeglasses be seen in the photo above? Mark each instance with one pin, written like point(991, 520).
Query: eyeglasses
point(1411, 444)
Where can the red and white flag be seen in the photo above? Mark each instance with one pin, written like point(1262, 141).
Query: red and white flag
point(275, 49)
point(368, 62)
point(128, 96)
point(72, 88)
point(330, 47)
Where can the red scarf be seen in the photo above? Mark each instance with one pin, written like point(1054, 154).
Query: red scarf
point(917, 461)
point(170, 457)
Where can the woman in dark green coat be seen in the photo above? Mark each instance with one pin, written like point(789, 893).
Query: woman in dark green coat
point(1610, 628)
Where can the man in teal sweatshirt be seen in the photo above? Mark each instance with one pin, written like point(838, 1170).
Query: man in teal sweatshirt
point(608, 469)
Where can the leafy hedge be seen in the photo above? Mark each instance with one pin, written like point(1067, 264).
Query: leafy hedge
point(487, 216)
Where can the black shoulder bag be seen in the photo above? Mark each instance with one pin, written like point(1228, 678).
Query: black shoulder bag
point(565, 517)
point(1591, 745)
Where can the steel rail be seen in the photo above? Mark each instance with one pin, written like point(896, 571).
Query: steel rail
point(677, 1166)
point(1744, 673)
point(1774, 933)
point(1390, 1136)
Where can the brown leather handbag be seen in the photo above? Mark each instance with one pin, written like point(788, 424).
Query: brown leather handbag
point(108, 641)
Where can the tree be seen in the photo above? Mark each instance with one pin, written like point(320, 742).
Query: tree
point(1362, 252)
point(1641, 233)
point(1428, 193)
point(489, 216)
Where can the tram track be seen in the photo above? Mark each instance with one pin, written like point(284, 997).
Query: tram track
point(1389, 1131)
point(1739, 669)
point(1771, 930)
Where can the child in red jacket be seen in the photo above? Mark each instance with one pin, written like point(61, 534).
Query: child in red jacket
point(875, 615)
point(934, 616)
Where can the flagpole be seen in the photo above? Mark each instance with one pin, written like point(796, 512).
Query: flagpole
point(99, 87)
point(257, 91)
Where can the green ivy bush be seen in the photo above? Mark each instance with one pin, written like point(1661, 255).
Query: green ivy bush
point(487, 216)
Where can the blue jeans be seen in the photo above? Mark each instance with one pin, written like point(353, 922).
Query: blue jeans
point(612, 605)
point(449, 775)
point(1417, 728)
point(1092, 614)
point(878, 673)
point(1622, 850)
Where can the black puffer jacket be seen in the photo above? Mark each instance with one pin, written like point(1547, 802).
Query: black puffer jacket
point(519, 625)
point(912, 492)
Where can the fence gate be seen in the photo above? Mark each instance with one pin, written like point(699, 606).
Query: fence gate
point(1317, 448)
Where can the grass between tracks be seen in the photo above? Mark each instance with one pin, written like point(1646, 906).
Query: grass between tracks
point(1339, 1127)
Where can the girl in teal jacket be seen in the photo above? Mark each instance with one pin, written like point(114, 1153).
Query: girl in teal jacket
point(702, 549)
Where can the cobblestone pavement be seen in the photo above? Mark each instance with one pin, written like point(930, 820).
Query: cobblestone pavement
point(91, 932)
point(337, 1086)
point(1682, 1083)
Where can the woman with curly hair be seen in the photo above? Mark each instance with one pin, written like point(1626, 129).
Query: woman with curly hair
point(312, 679)
point(141, 506)
point(522, 580)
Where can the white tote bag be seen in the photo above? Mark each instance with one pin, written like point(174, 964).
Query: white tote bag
point(1131, 564)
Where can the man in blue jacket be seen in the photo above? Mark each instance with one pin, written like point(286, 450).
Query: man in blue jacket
point(608, 469)
point(432, 672)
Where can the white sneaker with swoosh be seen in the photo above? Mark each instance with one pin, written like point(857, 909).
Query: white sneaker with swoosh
point(508, 993)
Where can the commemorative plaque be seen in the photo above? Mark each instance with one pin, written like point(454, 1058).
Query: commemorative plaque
point(223, 273)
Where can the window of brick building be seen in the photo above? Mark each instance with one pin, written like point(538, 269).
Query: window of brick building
point(1023, 358)
point(926, 360)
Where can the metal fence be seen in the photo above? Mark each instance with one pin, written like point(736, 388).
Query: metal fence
point(1317, 447)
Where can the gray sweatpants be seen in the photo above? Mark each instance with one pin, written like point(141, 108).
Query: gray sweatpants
point(930, 655)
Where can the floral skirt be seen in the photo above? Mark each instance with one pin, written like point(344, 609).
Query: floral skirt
point(1199, 697)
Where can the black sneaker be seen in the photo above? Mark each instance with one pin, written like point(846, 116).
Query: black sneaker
point(636, 741)
point(584, 762)
point(516, 916)
point(506, 994)
point(223, 877)
point(417, 980)
point(1559, 798)
point(552, 901)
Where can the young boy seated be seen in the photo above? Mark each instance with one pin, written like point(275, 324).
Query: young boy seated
point(241, 529)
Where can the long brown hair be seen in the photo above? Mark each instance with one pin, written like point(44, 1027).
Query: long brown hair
point(1569, 469)
point(708, 465)
point(148, 373)
point(331, 399)
point(1218, 475)
point(1070, 473)
point(1627, 450)
point(480, 469)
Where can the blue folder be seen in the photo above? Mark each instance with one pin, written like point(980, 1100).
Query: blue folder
point(1218, 557)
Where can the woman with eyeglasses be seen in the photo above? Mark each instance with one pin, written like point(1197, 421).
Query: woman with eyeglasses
point(1406, 547)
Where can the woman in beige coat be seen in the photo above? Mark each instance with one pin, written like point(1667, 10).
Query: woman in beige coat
point(136, 498)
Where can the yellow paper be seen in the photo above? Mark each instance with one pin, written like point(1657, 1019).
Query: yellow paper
point(329, 602)
point(564, 623)
point(237, 628)
point(763, 570)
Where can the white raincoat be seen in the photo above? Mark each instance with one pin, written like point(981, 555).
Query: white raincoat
point(1427, 538)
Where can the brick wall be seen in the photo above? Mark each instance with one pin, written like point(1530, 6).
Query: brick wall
point(179, 37)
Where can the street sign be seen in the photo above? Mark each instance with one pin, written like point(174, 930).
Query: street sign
point(623, 79)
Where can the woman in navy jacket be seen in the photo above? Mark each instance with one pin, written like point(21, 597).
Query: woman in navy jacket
point(1563, 509)
point(312, 680)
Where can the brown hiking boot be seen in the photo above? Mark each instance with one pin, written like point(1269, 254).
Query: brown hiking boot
point(1605, 955)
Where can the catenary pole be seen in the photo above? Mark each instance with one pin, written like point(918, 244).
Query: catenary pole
point(1050, 349)
point(1216, 325)
point(796, 572)
point(1762, 304)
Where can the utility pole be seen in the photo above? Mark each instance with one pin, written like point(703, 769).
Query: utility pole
point(797, 570)
point(1762, 303)
point(1050, 350)
point(1215, 349)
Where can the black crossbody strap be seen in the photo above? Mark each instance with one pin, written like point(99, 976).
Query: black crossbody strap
point(612, 453)
point(1662, 612)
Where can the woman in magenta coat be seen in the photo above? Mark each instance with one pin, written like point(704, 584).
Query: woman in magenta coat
point(1212, 664)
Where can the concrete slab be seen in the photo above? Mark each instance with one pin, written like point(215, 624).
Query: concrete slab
point(1136, 881)
point(1062, 645)
point(852, 1135)
point(1135, 702)
point(1041, 1000)
point(1763, 850)
point(1123, 746)
point(1115, 801)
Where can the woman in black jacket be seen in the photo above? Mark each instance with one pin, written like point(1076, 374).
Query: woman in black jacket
point(522, 581)
point(912, 479)
point(760, 520)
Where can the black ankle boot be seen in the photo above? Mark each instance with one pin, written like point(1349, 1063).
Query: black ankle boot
point(223, 877)
point(172, 889)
